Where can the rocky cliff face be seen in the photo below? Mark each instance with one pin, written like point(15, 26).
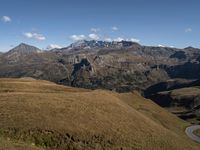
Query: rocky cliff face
point(121, 66)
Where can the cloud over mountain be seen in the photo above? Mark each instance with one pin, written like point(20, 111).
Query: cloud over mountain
point(53, 46)
point(94, 30)
point(35, 36)
point(77, 37)
point(114, 28)
point(94, 36)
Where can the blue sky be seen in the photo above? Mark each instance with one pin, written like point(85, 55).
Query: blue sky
point(61, 22)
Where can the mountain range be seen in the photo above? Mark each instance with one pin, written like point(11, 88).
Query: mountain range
point(60, 117)
point(120, 66)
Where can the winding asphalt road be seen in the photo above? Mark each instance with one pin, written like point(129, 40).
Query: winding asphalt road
point(189, 131)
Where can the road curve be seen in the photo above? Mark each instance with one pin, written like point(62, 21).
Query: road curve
point(189, 131)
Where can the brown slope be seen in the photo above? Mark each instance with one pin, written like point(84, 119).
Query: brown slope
point(6, 144)
point(60, 117)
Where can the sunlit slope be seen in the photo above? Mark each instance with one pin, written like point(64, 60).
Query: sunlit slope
point(58, 117)
point(154, 111)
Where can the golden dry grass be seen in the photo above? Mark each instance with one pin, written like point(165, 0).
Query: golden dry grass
point(6, 144)
point(58, 117)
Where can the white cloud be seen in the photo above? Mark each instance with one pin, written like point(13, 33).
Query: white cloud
point(35, 36)
point(134, 40)
point(6, 19)
point(94, 30)
point(119, 39)
point(161, 45)
point(28, 35)
point(108, 39)
point(115, 28)
point(53, 46)
point(188, 30)
point(78, 37)
point(93, 36)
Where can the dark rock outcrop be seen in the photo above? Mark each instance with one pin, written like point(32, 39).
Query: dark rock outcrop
point(179, 55)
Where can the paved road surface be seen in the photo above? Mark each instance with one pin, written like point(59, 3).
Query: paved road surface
point(189, 132)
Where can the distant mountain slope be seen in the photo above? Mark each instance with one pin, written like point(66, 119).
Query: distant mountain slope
point(21, 54)
point(24, 49)
point(57, 117)
point(120, 66)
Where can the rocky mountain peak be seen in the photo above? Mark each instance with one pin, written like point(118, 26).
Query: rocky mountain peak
point(24, 49)
point(189, 48)
point(84, 44)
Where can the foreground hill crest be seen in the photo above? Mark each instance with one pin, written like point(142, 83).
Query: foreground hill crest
point(52, 116)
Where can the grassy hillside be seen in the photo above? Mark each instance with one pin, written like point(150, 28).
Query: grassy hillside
point(52, 116)
point(6, 144)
